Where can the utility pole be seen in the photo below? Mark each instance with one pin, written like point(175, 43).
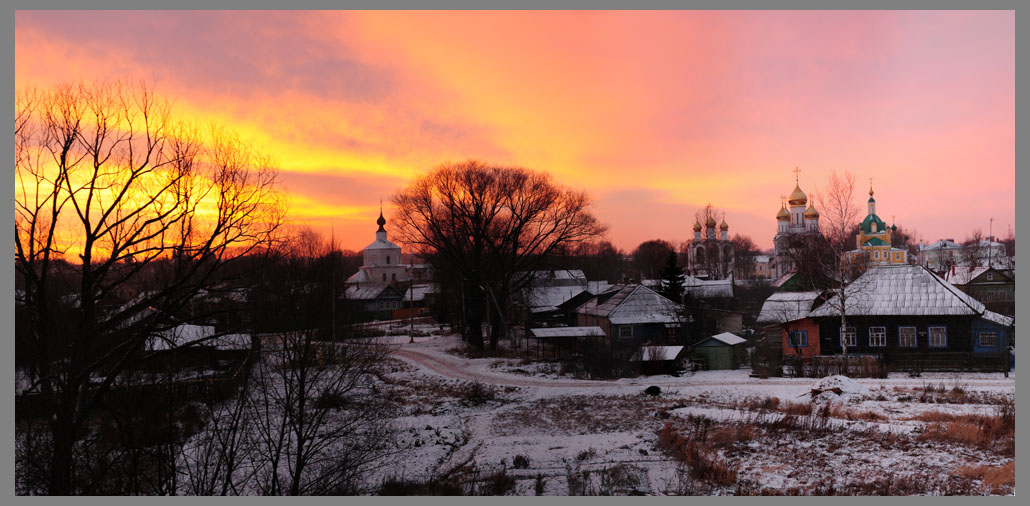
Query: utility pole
point(411, 308)
point(332, 258)
point(990, 243)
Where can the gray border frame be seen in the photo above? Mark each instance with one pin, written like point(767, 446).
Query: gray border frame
point(6, 236)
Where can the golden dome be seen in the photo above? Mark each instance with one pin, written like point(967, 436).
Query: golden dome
point(811, 212)
point(783, 215)
point(798, 198)
point(710, 223)
point(723, 225)
point(697, 226)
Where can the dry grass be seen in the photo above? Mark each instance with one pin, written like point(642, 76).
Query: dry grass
point(995, 433)
point(994, 479)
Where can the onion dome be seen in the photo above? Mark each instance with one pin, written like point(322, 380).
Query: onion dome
point(871, 193)
point(697, 226)
point(798, 198)
point(811, 212)
point(893, 228)
point(783, 215)
point(710, 223)
point(723, 225)
point(381, 221)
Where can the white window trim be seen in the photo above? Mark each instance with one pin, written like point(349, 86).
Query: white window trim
point(881, 339)
point(849, 334)
point(915, 337)
point(930, 337)
point(622, 333)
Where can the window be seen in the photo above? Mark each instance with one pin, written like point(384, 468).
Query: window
point(625, 331)
point(988, 294)
point(384, 276)
point(387, 258)
point(878, 336)
point(874, 226)
point(907, 337)
point(876, 255)
point(990, 276)
point(394, 276)
point(797, 338)
point(848, 337)
point(938, 337)
point(989, 339)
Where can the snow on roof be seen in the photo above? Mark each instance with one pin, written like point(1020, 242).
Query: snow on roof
point(548, 298)
point(902, 290)
point(632, 304)
point(939, 245)
point(761, 259)
point(359, 277)
point(381, 244)
point(656, 353)
point(418, 292)
point(1003, 320)
point(709, 289)
point(567, 332)
point(186, 333)
point(596, 287)
point(787, 306)
point(365, 292)
point(728, 338)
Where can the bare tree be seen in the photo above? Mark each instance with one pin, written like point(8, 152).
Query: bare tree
point(320, 425)
point(975, 250)
point(744, 252)
point(650, 256)
point(152, 209)
point(484, 225)
point(840, 215)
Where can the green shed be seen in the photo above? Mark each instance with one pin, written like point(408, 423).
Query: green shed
point(721, 351)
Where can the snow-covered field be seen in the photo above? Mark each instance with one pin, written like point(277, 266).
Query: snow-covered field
point(527, 430)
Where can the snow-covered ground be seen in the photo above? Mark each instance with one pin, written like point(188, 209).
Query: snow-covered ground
point(557, 435)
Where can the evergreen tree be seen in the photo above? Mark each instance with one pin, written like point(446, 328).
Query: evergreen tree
point(672, 278)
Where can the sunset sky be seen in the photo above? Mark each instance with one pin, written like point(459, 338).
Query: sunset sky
point(655, 114)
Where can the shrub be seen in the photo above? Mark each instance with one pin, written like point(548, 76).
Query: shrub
point(520, 462)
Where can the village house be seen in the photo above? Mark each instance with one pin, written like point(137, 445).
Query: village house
point(633, 314)
point(906, 314)
point(995, 288)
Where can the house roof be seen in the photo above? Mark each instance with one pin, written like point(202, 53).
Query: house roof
point(567, 332)
point(1006, 321)
point(359, 277)
point(726, 338)
point(940, 245)
point(548, 298)
point(787, 306)
point(901, 290)
point(964, 275)
point(417, 293)
point(382, 244)
point(656, 353)
point(708, 288)
point(632, 304)
point(368, 292)
point(186, 333)
point(875, 241)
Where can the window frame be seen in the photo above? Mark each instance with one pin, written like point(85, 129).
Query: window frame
point(622, 333)
point(869, 336)
point(915, 336)
point(980, 336)
point(930, 337)
point(851, 333)
point(804, 340)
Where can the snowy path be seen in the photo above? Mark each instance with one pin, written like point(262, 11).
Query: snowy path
point(455, 367)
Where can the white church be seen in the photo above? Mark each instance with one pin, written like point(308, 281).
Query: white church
point(382, 261)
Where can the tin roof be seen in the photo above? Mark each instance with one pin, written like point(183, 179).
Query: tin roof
point(567, 332)
point(632, 304)
point(787, 306)
point(901, 290)
point(656, 353)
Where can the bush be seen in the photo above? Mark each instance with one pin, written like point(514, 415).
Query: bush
point(520, 462)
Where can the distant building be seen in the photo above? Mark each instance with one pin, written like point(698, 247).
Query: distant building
point(874, 240)
point(633, 314)
point(763, 264)
point(995, 288)
point(381, 261)
point(710, 256)
point(793, 226)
